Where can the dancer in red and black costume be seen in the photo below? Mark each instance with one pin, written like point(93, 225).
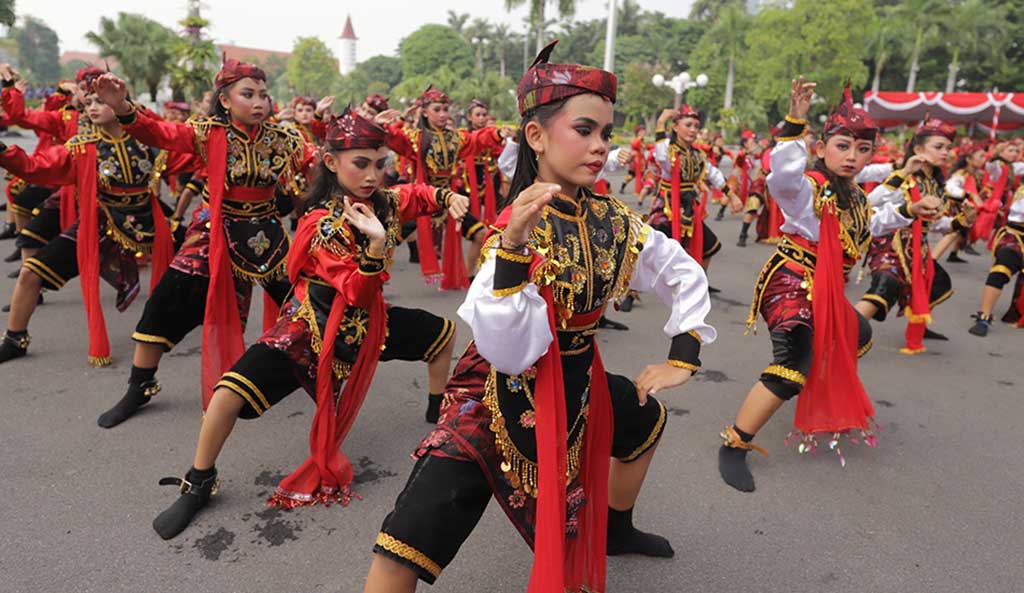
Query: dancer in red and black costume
point(966, 183)
point(117, 179)
point(687, 176)
point(746, 173)
point(1007, 261)
point(816, 334)
point(1003, 173)
point(437, 151)
point(235, 240)
point(531, 417)
point(903, 272)
point(334, 327)
point(638, 164)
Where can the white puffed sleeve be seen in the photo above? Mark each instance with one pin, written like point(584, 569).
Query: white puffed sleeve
point(1017, 208)
point(792, 190)
point(715, 176)
point(661, 157)
point(874, 173)
point(955, 185)
point(612, 164)
point(886, 218)
point(664, 267)
point(886, 194)
point(507, 158)
point(511, 332)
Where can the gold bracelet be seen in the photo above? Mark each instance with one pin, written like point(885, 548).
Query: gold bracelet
point(683, 365)
point(512, 256)
point(795, 121)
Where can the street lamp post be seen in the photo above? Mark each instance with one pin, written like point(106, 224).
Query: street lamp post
point(680, 83)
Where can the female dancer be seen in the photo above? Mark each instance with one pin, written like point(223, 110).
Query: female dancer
point(529, 410)
point(1007, 261)
point(437, 151)
point(235, 240)
point(965, 183)
point(816, 334)
point(117, 180)
point(334, 327)
point(903, 271)
point(678, 210)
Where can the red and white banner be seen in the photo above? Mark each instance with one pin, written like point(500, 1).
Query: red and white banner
point(1001, 112)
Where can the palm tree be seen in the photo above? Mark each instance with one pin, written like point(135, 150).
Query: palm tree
point(987, 25)
point(887, 38)
point(566, 8)
point(457, 21)
point(711, 10)
point(501, 39)
point(143, 47)
point(731, 30)
point(924, 18)
point(479, 33)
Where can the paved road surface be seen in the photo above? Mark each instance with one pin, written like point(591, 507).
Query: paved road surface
point(936, 508)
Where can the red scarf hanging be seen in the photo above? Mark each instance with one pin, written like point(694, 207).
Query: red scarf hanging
point(700, 200)
point(163, 244)
point(922, 272)
point(638, 167)
point(985, 223)
point(68, 207)
point(326, 475)
point(774, 218)
point(474, 186)
point(833, 398)
point(222, 327)
point(490, 198)
point(584, 557)
point(674, 197)
point(87, 252)
point(453, 265)
point(430, 267)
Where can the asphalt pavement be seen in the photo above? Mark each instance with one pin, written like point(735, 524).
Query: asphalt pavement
point(936, 507)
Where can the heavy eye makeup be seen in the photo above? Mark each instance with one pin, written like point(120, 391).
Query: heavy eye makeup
point(584, 126)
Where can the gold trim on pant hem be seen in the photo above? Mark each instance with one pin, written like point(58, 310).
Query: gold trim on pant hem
point(43, 271)
point(407, 552)
point(447, 332)
point(659, 427)
point(151, 339)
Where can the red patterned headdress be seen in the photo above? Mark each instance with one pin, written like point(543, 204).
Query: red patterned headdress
point(88, 74)
point(377, 102)
point(303, 100)
point(179, 105)
point(748, 135)
point(433, 95)
point(931, 126)
point(546, 83)
point(233, 70)
point(848, 120)
point(972, 147)
point(477, 103)
point(351, 130)
point(687, 110)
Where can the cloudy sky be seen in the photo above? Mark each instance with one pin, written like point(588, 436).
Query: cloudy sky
point(379, 25)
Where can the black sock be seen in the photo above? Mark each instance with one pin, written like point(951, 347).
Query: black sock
point(732, 464)
point(746, 227)
point(177, 517)
point(624, 538)
point(414, 252)
point(9, 345)
point(434, 407)
point(141, 387)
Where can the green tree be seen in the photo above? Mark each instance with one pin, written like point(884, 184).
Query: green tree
point(978, 16)
point(7, 12)
point(312, 69)
point(38, 49)
point(478, 33)
point(383, 69)
point(710, 10)
point(144, 48)
point(195, 60)
point(925, 18)
point(432, 46)
point(886, 38)
point(639, 100)
point(457, 20)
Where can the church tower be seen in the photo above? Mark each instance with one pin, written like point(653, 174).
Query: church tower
point(347, 48)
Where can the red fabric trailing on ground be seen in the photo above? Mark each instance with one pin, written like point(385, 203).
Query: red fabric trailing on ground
point(490, 198)
point(985, 223)
point(833, 398)
point(326, 475)
point(87, 252)
point(674, 200)
point(222, 327)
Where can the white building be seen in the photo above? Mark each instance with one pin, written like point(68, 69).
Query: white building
point(347, 48)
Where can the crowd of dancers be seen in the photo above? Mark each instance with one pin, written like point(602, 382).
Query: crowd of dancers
point(312, 205)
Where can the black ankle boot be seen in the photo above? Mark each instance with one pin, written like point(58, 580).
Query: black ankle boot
point(732, 458)
point(434, 401)
point(934, 335)
point(954, 258)
point(14, 345)
point(414, 252)
point(14, 256)
point(626, 305)
point(9, 231)
point(981, 325)
point(742, 242)
point(624, 538)
point(196, 489)
point(138, 395)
